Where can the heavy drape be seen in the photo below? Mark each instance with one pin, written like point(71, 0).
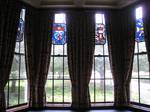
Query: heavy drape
point(38, 49)
point(128, 36)
point(9, 18)
point(121, 51)
point(30, 54)
point(44, 51)
point(80, 50)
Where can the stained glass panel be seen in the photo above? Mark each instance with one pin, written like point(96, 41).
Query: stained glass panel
point(20, 32)
point(139, 37)
point(59, 33)
point(100, 35)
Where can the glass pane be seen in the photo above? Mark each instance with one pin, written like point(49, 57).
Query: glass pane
point(135, 68)
point(142, 47)
point(136, 47)
point(66, 71)
point(99, 90)
point(23, 91)
point(17, 47)
point(91, 89)
point(58, 50)
point(52, 49)
point(58, 91)
point(143, 66)
point(48, 89)
point(65, 49)
point(145, 91)
point(106, 48)
point(58, 67)
point(60, 18)
point(23, 68)
point(99, 67)
point(15, 68)
point(22, 47)
point(13, 92)
point(67, 91)
point(108, 73)
point(6, 95)
point(50, 72)
point(134, 91)
point(109, 90)
point(98, 49)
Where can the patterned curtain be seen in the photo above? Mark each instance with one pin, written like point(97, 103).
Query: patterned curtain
point(45, 34)
point(146, 20)
point(121, 41)
point(30, 54)
point(81, 30)
point(9, 12)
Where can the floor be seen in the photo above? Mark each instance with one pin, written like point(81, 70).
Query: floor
point(108, 110)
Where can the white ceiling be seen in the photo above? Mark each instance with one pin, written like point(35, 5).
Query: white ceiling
point(80, 3)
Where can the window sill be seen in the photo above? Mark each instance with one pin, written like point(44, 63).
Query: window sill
point(18, 108)
point(139, 107)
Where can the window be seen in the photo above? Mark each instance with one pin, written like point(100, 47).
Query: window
point(101, 84)
point(140, 82)
point(16, 89)
point(58, 86)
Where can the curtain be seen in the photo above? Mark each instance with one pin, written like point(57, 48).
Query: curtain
point(115, 48)
point(45, 33)
point(30, 53)
point(120, 33)
point(10, 12)
point(128, 36)
point(80, 48)
point(38, 49)
point(146, 21)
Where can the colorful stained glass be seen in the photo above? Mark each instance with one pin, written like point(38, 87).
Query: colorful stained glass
point(59, 33)
point(139, 30)
point(100, 37)
point(20, 30)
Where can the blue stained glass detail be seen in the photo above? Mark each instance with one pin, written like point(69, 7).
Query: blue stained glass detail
point(139, 37)
point(59, 33)
point(20, 30)
point(100, 37)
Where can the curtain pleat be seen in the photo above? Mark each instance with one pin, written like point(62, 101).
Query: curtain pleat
point(9, 12)
point(146, 21)
point(80, 50)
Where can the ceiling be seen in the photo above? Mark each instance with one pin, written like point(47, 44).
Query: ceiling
point(80, 3)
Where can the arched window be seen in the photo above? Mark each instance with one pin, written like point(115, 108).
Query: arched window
point(140, 82)
point(16, 89)
point(58, 86)
point(101, 84)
